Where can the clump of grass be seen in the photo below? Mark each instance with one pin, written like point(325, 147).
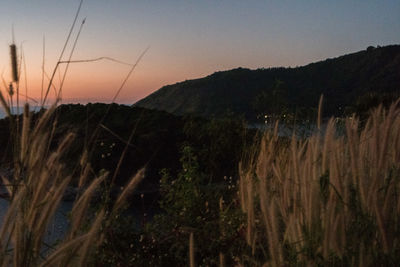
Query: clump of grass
point(39, 183)
point(40, 180)
point(329, 199)
point(14, 62)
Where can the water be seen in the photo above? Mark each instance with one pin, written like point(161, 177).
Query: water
point(14, 110)
point(301, 130)
point(3, 208)
point(58, 225)
point(286, 130)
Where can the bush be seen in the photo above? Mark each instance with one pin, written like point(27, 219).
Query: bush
point(189, 204)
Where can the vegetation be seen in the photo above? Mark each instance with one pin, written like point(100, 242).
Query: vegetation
point(329, 200)
point(345, 81)
point(156, 141)
point(190, 204)
point(38, 184)
point(200, 144)
point(37, 154)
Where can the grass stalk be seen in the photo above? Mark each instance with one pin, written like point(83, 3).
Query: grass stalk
point(330, 198)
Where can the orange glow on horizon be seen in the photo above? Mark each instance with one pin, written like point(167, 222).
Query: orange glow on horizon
point(99, 83)
point(187, 40)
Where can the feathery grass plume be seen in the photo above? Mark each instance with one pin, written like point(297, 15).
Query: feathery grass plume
point(6, 184)
point(321, 99)
point(88, 246)
point(132, 184)
point(40, 181)
point(14, 63)
point(59, 255)
point(26, 123)
point(4, 105)
point(10, 95)
point(330, 199)
point(36, 195)
point(247, 204)
point(81, 206)
point(84, 175)
point(221, 260)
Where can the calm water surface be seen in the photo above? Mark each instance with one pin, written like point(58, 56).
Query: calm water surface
point(57, 227)
point(15, 110)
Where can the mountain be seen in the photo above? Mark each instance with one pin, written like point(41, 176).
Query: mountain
point(347, 83)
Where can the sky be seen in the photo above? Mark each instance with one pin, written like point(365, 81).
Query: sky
point(187, 39)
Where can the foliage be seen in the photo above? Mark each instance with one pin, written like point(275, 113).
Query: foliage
point(272, 100)
point(35, 191)
point(156, 142)
point(212, 142)
point(341, 80)
point(189, 204)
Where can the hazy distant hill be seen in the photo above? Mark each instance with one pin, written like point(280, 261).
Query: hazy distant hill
point(346, 82)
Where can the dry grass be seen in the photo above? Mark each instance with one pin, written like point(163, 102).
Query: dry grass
point(40, 180)
point(36, 190)
point(330, 199)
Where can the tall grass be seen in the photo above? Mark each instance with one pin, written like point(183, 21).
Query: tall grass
point(39, 183)
point(40, 179)
point(330, 199)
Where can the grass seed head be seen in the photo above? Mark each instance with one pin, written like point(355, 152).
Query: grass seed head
point(14, 62)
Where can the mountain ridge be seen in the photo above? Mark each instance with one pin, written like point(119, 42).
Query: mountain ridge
point(345, 81)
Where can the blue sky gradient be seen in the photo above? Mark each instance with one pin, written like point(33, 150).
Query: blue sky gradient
point(187, 39)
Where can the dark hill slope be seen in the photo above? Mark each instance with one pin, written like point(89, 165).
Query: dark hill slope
point(344, 81)
point(157, 142)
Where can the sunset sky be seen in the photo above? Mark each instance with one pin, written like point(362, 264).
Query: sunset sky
point(188, 39)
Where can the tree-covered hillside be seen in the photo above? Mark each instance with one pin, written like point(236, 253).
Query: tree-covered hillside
point(348, 83)
point(158, 138)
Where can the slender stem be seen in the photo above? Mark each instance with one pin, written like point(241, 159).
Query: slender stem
point(130, 73)
point(62, 53)
point(25, 76)
point(70, 56)
point(97, 59)
point(43, 60)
